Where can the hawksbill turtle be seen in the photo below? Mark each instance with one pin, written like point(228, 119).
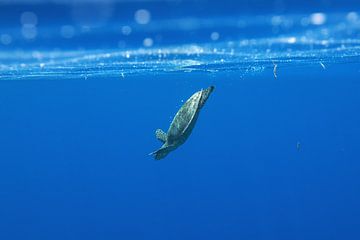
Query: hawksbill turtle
point(182, 124)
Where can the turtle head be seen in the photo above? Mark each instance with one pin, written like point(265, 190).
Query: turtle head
point(205, 95)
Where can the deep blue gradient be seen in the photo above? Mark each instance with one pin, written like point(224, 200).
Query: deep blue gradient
point(269, 159)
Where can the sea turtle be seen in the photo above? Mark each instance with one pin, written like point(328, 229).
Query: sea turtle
point(182, 124)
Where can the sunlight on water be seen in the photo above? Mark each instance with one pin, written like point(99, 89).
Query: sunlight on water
point(302, 40)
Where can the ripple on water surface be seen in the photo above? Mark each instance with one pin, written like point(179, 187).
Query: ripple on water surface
point(294, 40)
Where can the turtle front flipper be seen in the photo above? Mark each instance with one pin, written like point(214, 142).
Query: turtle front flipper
point(161, 135)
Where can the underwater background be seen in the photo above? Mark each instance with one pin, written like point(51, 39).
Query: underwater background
point(275, 153)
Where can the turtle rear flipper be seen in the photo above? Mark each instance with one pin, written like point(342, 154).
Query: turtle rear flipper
point(161, 135)
point(160, 153)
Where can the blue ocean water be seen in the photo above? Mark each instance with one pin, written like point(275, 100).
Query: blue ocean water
point(85, 84)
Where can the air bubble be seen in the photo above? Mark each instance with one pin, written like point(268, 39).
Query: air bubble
point(28, 18)
point(29, 32)
point(126, 30)
point(148, 42)
point(67, 31)
point(5, 39)
point(318, 18)
point(214, 36)
point(142, 16)
point(276, 20)
point(352, 16)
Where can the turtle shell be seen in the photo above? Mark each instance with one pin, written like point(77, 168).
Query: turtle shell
point(184, 118)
